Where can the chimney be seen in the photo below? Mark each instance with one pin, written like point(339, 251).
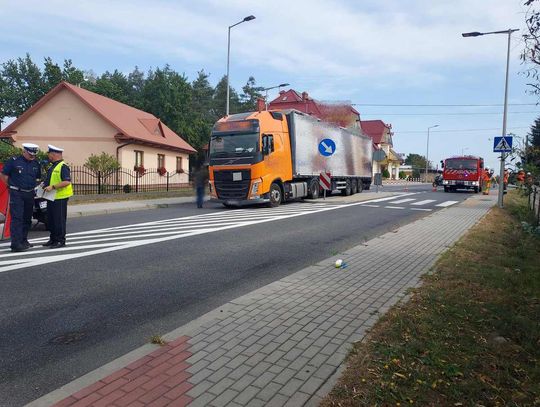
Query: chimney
point(305, 96)
point(281, 92)
point(261, 105)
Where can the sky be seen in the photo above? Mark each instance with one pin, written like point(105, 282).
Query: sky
point(383, 56)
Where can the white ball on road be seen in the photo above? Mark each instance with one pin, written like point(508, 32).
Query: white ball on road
point(339, 263)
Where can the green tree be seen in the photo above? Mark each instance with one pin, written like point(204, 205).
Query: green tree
point(167, 95)
point(418, 163)
point(112, 85)
point(136, 82)
point(203, 114)
point(220, 99)
point(23, 86)
point(531, 52)
point(250, 95)
point(52, 74)
point(531, 156)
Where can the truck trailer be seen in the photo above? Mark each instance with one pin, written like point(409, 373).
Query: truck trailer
point(463, 172)
point(274, 156)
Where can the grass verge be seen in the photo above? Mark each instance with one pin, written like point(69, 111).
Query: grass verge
point(469, 336)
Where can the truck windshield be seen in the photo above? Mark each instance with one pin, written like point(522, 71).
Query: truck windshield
point(234, 146)
point(469, 165)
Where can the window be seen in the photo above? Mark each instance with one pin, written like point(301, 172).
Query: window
point(139, 158)
point(161, 161)
point(179, 164)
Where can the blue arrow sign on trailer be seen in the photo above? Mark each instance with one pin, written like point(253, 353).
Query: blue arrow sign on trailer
point(327, 147)
point(502, 144)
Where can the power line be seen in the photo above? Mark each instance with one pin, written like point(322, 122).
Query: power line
point(457, 130)
point(443, 114)
point(446, 105)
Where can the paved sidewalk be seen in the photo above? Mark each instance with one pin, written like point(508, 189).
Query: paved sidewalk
point(282, 344)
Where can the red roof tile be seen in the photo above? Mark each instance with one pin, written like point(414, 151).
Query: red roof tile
point(374, 129)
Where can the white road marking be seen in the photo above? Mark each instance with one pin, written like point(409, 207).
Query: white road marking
point(447, 203)
point(421, 209)
point(93, 242)
point(402, 201)
point(394, 207)
point(424, 202)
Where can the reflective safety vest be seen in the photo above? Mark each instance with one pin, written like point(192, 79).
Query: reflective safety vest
point(61, 193)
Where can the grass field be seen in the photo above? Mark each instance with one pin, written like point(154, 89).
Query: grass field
point(469, 336)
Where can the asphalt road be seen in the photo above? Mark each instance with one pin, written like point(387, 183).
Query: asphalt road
point(61, 319)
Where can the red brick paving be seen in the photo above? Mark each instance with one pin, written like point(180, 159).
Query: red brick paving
point(157, 379)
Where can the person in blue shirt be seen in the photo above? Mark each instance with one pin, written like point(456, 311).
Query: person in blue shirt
point(21, 174)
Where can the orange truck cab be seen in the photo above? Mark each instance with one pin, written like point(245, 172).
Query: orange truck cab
point(463, 172)
point(274, 156)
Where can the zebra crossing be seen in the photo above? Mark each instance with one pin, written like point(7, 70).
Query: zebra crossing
point(105, 240)
point(413, 204)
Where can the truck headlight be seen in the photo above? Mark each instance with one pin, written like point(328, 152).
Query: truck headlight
point(255, 188)
point(445, 182)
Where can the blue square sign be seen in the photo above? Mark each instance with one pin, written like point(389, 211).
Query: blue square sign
point(502, 144)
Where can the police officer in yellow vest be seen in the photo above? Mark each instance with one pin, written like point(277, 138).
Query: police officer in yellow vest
point(58, 179)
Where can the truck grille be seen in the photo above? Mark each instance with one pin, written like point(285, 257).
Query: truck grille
point(226, 188)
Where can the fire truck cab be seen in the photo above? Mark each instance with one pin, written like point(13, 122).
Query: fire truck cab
point(463, 172)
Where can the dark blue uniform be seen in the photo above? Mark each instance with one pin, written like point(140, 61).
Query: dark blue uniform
point(23, 175)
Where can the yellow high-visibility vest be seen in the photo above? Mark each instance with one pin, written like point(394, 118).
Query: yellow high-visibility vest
point(64, 192)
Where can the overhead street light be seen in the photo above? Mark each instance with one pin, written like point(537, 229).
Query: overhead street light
point(271, 87)
point(248, 18)
point(427, 149)
point(509, 33)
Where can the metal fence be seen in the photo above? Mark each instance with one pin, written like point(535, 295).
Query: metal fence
point(121, 181)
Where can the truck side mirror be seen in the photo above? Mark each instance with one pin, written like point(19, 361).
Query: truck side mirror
point(442, 164)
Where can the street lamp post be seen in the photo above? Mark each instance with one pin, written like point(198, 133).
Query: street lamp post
point(248, 18)
point(501, 173)
point(271, 87)
point(427, 150)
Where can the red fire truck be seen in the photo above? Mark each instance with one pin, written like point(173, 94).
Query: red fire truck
point(463, 172)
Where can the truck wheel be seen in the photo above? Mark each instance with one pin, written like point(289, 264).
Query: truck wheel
point(347, 190)
point(313, 192)
point(361, 186)
point(445, 189)
point(275, 195)
point(475, 190)
point(354, 187)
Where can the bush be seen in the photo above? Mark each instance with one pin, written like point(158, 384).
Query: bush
point(385, 173)
point(402, 175)
point(126, 188)
point(103, 163)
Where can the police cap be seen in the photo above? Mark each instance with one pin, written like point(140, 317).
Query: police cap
point(30, 148)
point(54, 149)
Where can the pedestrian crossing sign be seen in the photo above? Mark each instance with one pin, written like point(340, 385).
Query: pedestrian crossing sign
point(502, 144)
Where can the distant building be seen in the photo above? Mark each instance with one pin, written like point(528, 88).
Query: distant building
point(85, 123)
point(381, 134)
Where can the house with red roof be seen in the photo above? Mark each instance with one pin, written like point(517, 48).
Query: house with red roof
point(381, 134)
point(342, 114)
point(85, 123)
